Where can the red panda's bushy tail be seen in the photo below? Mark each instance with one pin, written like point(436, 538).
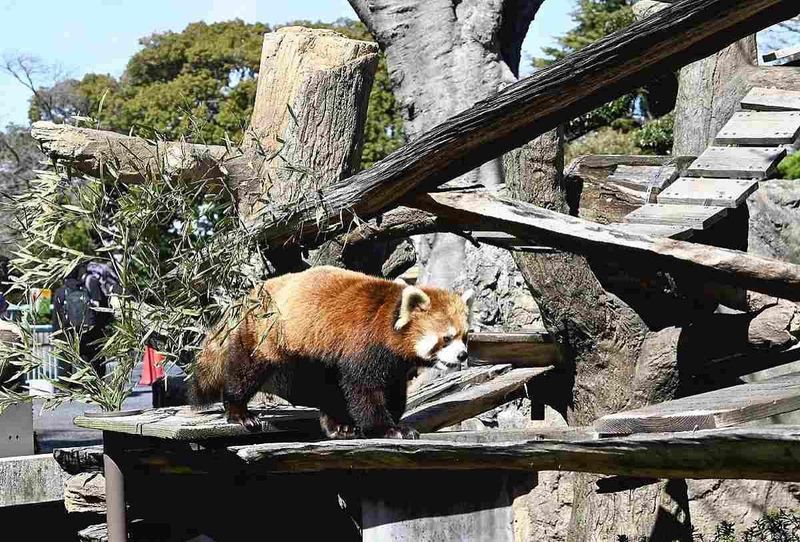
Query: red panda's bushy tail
point(209, 371)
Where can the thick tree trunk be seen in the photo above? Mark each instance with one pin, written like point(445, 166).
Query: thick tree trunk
point(307, 127)
point(613, 359)
point(308, 120)
point(443, 58)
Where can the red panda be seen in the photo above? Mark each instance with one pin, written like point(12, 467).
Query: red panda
point(337, 340)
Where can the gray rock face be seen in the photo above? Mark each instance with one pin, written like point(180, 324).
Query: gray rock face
point(502, 300)
point(775, 220)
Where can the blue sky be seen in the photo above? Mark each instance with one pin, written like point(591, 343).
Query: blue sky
point(101, 35)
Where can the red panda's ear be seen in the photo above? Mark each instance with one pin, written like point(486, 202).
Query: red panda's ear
point(468, 297)
point(413, 298)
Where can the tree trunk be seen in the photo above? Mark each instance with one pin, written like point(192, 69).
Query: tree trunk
point(307, 127)
point(613, 360)
point(443, 58)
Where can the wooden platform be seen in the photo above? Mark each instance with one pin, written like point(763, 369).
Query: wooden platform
point(772, 99)
point(728, 193)
point(520, 349)
point(722, 408)
point(760, 128)
point(690, 216)
point(737, 162)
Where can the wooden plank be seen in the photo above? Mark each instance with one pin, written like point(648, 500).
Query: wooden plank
point(715, 409)
point(509, 242)
point(758, 453)
point(672, 38)
point(520, 349)
point(451, 383)
point(760, 128)
point(644, 178)
point(183, 423)
point(771, 99)
point(783, 56)
point(695, 216)
point(724, 266)
point(460, 406)
point(737, 162)
point(656, 230)
point(728, 193)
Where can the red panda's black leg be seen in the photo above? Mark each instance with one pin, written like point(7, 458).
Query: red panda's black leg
point(243, 378)
point(368, 409)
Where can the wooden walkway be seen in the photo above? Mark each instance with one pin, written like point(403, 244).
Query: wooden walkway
point(747, 149)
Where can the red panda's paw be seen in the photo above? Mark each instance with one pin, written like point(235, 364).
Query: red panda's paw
point(402, 432)
point(244, 418)
point(336, 430)
point(344, 432)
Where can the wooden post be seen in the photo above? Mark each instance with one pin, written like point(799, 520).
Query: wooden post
point(431, 506)
point(308, 120)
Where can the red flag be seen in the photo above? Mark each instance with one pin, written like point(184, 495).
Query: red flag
point(153, 368)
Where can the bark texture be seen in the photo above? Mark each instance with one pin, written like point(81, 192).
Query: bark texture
point(308, 120)
point(613, 362)
point(443, 57)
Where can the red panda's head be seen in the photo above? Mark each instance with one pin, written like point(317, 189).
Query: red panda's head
point(434, 324)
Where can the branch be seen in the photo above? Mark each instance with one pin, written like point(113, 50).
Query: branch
point(674, 37)
point(94, 151)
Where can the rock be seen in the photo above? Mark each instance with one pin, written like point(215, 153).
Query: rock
point(502, 299)
point(81, 459)
point(85, 492)
point(775, 220)
point(775, 326)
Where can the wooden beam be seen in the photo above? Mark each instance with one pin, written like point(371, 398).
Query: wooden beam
point(720, 408)
point(98, 152)
point(457, 407)
point(520, 349)
point(768, 453)
point(673, 37)
point(454, 382)
point(547, 227)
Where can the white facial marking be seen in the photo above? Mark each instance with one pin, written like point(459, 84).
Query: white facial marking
point(449, 354)
point(425, 346)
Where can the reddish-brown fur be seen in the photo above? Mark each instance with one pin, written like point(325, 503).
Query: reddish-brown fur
point(326, 337)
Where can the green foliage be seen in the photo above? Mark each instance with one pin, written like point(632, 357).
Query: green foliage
point(595, 19)
point(775, 526)
point(789, 168)
point(201, 84)
point(183, 258)
point(656, 136)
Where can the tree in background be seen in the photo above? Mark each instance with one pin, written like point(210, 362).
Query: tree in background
point(200, 84)
point(595, 19)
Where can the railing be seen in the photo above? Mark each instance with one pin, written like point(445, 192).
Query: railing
point(42, 349)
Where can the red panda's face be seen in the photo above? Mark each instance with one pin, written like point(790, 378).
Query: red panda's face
point(435, 325)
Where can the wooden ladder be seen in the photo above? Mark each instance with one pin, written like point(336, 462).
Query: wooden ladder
point(747, 150)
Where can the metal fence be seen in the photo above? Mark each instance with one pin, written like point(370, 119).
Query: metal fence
point(43, 349)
